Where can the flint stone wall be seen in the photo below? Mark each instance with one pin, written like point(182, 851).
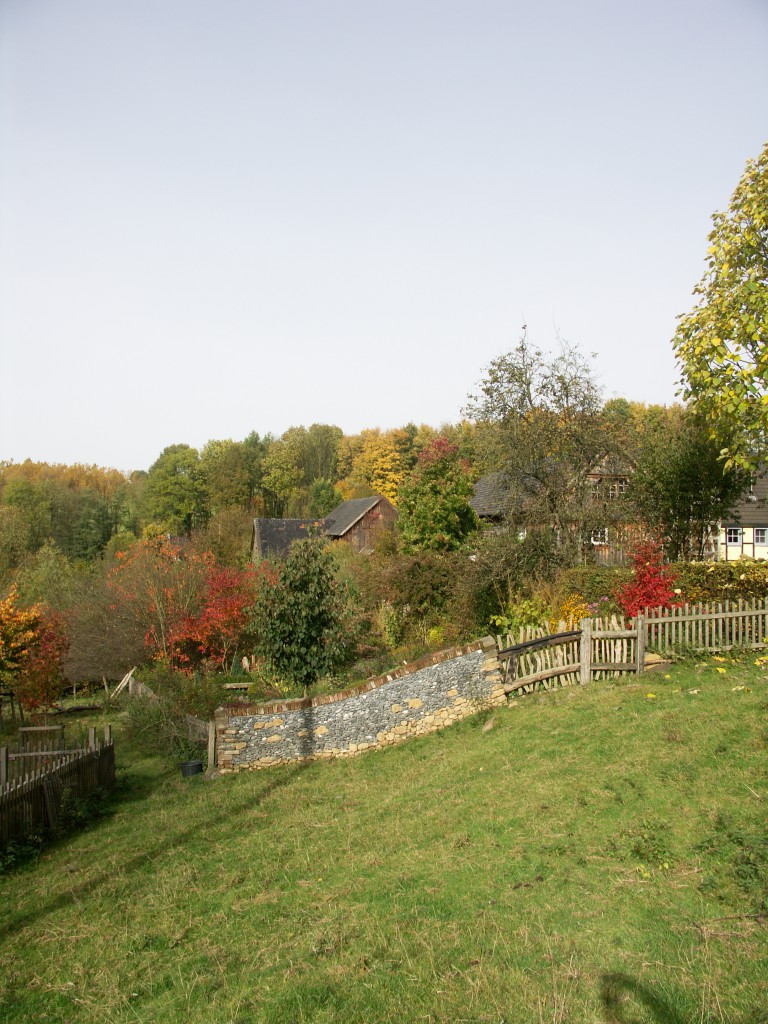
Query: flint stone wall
point(419, 698)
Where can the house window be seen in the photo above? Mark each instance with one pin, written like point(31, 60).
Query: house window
point(600, 537)
point(761, 535)
point(733, 535)
point(617, 487)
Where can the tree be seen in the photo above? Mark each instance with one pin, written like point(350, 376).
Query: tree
point(175, 495)
point(323, 498)
point(282, 472)
point(301, 622)
point(652, 582)
point(433, 504)
point(191, 607)
point(33, 644)
point(539, 423)
point(18, 631)
point(679, 486)
point(722, 344)
point(42, 677)
point(225, 468)
point(160, 587)
point(375, 463)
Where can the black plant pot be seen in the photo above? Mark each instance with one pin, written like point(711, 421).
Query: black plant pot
point(191, 768)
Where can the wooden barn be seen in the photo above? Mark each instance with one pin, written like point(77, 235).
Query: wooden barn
point(357, 522)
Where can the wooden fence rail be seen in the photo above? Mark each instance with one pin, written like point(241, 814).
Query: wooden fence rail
point(33, 783)
point(599, 648)
point(713, 626)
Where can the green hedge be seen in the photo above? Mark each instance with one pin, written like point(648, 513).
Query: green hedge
point(698, 581)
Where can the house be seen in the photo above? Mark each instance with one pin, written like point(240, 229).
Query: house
point(496, 496)
point(745, 533)
point(357, 522)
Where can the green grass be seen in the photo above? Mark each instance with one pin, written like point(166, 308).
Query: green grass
point(599, 855)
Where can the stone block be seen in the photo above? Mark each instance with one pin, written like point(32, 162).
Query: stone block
point(414, 702)
point(397, 708)
point(321, 730)
point(277, 738)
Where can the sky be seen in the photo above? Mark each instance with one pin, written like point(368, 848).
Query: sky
point(221, 217)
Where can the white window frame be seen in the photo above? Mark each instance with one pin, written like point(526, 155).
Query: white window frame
point(733, 535)
point(599, 537)
point(761, 535)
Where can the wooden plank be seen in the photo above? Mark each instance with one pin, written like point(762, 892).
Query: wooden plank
point(123, 683)
point(585, 651)
point(539, 677)
point(640, 644)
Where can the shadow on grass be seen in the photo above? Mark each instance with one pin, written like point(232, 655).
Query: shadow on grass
point(617, 987)
point(169, 844)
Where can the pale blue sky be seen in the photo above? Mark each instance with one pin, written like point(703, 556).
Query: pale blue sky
point(236, 215)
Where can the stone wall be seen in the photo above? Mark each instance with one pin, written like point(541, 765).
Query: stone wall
point(415, 699)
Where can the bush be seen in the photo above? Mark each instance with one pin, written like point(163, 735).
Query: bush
point(159, 721)
point(303, 620)
point(722, 581)
point(652, 584)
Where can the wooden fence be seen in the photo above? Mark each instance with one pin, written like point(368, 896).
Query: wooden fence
point(599, 648)
point(708, 627)
point(35, 776)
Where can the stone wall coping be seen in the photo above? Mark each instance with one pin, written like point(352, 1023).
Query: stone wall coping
point(407, 669)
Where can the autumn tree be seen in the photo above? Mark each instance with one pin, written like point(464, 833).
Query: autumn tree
point(160, 587)
point(375, 462)
point(434, 509)
point(191, 607)
point(722, 344)
point(33, 644)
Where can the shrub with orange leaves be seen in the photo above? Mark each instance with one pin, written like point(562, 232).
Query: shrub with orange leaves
point(33, 645)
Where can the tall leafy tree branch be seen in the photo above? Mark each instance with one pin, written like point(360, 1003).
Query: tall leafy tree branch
point(722, 344)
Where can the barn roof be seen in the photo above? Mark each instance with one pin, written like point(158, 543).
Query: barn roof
point(491, 498)
point(345, 515)
point(273, 537)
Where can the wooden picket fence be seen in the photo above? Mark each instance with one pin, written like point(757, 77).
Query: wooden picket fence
point(600, 648)
point(720, 626)
point(38, 774)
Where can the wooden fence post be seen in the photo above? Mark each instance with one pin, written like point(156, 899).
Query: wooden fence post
point(640, 643)
point(3, 766)
point(585, 653)
point(91, 737)
point(107, 734)
point(211, 746)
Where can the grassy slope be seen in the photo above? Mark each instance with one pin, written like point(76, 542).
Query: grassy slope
point(595, 857)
